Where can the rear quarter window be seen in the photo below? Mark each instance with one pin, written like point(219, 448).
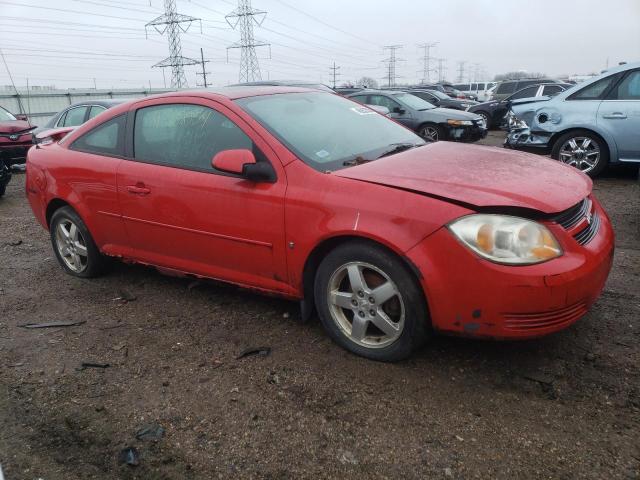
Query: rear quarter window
point(105, 139)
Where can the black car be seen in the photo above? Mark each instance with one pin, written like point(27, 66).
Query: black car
point(430, 122)
point(78, 113)
point(494, 111)
point(439, 99)
point(5, 176)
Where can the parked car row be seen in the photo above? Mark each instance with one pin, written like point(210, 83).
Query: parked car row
point(589, 126)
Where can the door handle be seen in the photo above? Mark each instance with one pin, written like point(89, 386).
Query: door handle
point(138, 189)
point(614, 115)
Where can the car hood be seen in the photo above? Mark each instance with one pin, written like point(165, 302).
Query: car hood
point(15, 126)
point(444, 114)
point(478, 176)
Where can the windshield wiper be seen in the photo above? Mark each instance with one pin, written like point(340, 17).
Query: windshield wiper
point(399, 147)
point(355, 161)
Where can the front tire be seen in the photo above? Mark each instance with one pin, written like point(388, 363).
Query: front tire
point(487, 119)
point(73, 245)
point(431, 132)
point(370, 303)
point(583, 150)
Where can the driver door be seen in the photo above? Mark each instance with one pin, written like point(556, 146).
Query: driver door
point(180, 213)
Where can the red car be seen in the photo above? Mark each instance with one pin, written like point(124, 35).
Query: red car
point(313, 197)
point(15, 137)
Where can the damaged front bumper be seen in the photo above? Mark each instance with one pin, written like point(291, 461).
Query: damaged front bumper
point(465, 133)
point(525, 138)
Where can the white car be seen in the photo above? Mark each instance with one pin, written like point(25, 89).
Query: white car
point(479, 89)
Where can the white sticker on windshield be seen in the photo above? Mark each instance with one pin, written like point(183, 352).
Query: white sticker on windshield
point(322, 154)
point(363, 110)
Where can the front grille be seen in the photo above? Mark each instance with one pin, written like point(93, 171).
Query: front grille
point(527, 322)
point(586, 235)
point(573, 215)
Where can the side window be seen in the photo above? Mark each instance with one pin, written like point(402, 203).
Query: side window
point(506, 88)
point(525, 93)
point(551, 90)
point(360, 99)
point(474, 87)
point(596, 90)
point(628, 89)
point(185, 135)
point(60, 122)
point(105, 139)
point(383, 102)
point(463, 87)
point(75, 117)
point(95, 110)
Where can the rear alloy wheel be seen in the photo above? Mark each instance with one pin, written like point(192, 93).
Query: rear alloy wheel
point(73, 245)
point(431, 132)
point(582, 150)
point(369, 302)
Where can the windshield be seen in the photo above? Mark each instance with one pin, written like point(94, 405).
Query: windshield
point(6, 116)
point(327, 131)
point(411, 101)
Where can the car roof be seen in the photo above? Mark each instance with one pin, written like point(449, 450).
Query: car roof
point(235, 92)
point(104, 102)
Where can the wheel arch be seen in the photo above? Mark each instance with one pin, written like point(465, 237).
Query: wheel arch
point(53, 205)
point(328, 244)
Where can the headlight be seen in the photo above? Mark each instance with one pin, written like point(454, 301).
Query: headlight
point(459, 122)
point(506, 239)
point(514, 122)
point(465, 105)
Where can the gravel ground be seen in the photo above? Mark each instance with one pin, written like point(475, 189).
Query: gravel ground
point(563, 407)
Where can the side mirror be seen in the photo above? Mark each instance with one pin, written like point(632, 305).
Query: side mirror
point(243, 162)
point(399, 110)
point(23, 117)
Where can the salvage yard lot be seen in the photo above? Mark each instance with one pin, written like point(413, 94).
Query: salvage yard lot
point(566, 406)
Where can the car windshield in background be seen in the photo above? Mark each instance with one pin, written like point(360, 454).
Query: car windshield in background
point(6, 116)
point(326, 131)
point(413, 102)
point(439, 94)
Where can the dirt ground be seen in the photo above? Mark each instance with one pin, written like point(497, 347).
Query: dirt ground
point(563, 407)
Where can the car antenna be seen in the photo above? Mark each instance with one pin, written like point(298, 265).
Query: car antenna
point(12, 82)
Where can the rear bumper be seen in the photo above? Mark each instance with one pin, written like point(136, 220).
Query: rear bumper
point(470, 296)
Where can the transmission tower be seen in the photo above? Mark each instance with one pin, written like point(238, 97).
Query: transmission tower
point(173, 23)
point(442, 69)
point(391, 64)
point(461, 66)
point(245, 17)
point(204, 72)
point(426, 60)
point(334, 73)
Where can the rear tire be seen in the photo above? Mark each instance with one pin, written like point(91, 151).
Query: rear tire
point(581, 148)
point(370, 303)
point(487, 119)
point(73, 245)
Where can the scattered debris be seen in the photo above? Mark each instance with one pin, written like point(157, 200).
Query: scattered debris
point(119, 346)
point(348, 458)
point(153, 432)
point(129, 456)
point(15, 365)
point(286, 315)
point(540, 378)
point(125, 297)
point(52, 324)
point(217, 363)
point(259, 351)
point(86, 365)
point(448, 472)
point(459, 438)
point(14, 243)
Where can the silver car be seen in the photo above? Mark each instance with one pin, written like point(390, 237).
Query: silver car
point(589, 126)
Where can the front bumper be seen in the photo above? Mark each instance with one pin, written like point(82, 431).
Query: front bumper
point(525, 138)
point(470, 296)
point(465, 133)
point(15, 151)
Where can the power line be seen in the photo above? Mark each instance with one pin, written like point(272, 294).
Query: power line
point(172, 22)
point(391, 63)
point(244, 17)
point(426, 61)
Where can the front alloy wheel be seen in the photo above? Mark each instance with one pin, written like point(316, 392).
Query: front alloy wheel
point(366, 305)
point(370, 302)
point(430, 133)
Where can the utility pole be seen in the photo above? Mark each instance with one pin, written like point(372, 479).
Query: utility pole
point(426, 60)
point(391, 63)
point(461, 66)
point(442, 69)
point(173, 23)
point(204, 73)
point(246, 17)
point(334, 73)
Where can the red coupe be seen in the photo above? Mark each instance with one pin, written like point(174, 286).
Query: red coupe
point(311, 196)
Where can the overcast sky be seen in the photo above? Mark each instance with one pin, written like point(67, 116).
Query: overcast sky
point(68, 43)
